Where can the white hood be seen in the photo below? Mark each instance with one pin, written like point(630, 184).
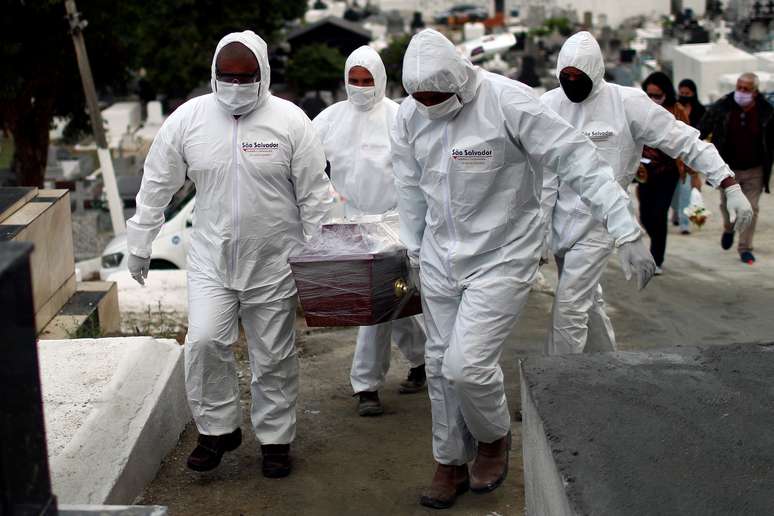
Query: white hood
point(258, 47)
point(432, 63)
point(369, 59)
point(582, 51)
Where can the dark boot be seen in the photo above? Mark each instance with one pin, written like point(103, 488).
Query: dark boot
point(490, 466)
point(210, 449)
point(415, 382)
point(448, 483)
point(368, 404)
point(276, 460)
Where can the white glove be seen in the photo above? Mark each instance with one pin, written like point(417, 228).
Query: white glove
point(414, 274)
point(138, 268)
point(414, 278)
point(738, 207)
point(636, 260)
point(545, 252)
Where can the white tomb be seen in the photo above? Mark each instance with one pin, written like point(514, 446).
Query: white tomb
point(113, 408)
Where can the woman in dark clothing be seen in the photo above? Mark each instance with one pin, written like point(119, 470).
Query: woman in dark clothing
point(688, 98)
point(659, 173)
point(689, 101)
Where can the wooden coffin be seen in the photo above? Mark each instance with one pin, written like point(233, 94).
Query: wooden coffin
point(357, 289)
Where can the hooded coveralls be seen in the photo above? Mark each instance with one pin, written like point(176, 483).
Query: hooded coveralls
point(357, 144)
point(260, 185)
point(620, 121)
point(468, 189)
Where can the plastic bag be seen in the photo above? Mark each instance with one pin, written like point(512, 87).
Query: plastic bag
point(696, 212)
point(348, 275)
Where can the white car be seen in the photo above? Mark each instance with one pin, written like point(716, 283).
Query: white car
point(171, 245)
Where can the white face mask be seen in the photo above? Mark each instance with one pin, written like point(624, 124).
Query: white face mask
point(743, 98)
point(362, 96)
point(445, 108)
point(237, 99)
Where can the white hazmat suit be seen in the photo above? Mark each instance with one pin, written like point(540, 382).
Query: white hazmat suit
point(260, 185)
point(468, 196)
point(356, 139)
point(620, 121)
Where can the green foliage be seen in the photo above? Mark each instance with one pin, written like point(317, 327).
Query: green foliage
point(172, 39)
point(315, 68)
point(392, 56)
point(551, 25)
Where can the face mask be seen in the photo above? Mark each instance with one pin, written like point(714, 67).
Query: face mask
point(658, 100)
point(362, 96)
point(685, 99)
point(577, 90)
point(743, 98)
point(237, 99)
point(445, 108)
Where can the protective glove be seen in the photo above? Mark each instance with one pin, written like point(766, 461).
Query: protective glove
point(545, 251)
point(738, 207)
point(414, 274)
point(138, 268)
point(636, 260)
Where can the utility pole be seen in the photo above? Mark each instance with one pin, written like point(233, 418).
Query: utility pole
point(103, 152)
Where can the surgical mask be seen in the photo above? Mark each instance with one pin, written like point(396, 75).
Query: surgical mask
point(362, 96)
point(445, 108)
point(743, 98)
point(685, 99)
point(576, 90)
point(237, 99)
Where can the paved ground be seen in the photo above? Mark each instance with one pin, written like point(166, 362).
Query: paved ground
point(346, 465)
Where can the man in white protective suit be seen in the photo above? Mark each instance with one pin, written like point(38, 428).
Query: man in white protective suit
point(468, 150)
point(620, 121)
point(355, 134)
point(258, 167)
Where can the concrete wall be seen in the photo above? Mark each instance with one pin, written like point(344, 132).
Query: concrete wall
point(674, 431)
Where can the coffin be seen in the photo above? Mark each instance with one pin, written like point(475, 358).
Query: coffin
point(354, 279)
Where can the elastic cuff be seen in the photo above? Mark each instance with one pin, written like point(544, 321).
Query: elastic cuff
point(140, 253)
point(628, 238)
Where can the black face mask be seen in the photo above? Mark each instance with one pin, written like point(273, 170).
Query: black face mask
point(576, 90)
point(684, 99)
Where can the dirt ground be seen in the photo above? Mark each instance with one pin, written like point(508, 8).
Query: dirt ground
point(347, 465)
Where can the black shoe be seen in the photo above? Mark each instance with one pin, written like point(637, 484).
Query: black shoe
point(747, 257)
point(276, 460)
point(415, 381)
point(210, 449)
point(368, 404)
point(727, 240)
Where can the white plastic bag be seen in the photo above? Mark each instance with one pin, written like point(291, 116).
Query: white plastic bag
point(696, 212)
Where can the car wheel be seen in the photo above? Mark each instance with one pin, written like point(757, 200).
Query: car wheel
point(159, 264)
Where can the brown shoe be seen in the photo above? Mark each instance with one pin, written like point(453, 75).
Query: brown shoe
point(490, 466)
point(448, 483)
point(415, 381)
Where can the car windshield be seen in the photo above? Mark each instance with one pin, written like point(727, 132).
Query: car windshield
point(179, 200)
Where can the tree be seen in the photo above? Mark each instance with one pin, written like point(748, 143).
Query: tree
point(173, 40)
point(39, 77)
point(315, 68)
point(392, 57)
